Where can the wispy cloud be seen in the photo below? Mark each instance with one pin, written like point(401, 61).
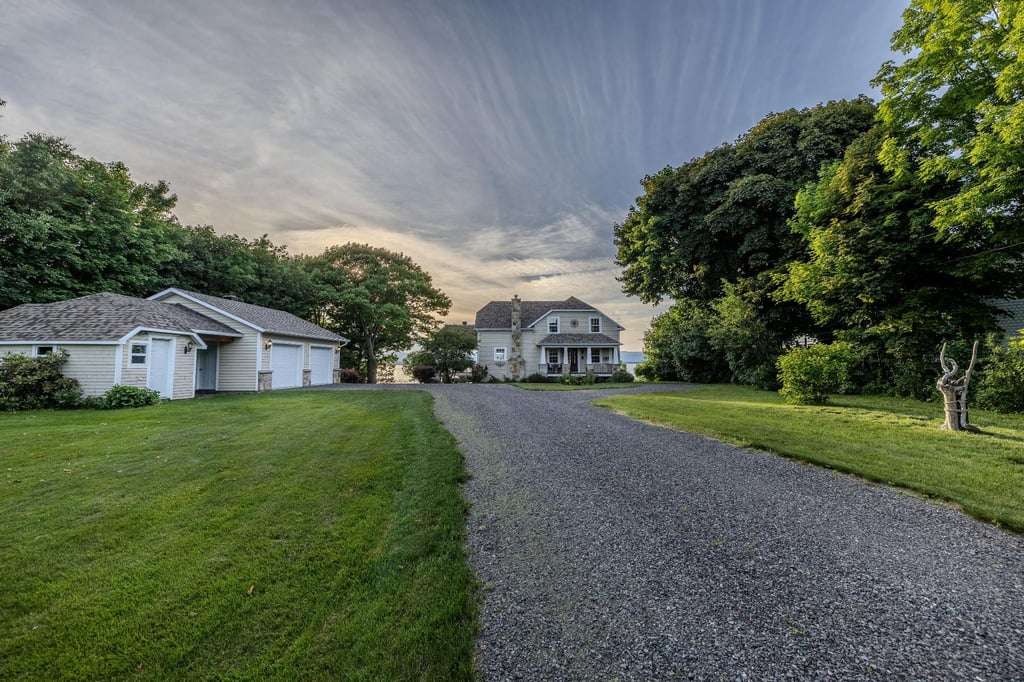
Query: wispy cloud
point(495, 142)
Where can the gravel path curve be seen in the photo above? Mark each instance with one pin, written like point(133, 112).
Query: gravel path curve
point(614, 550)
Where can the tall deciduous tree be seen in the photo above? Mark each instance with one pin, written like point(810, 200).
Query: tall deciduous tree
point(722, 217)
point(381, 300)
point(954, 110)
point(877, 276)
point(449, 350)
point(71, 226)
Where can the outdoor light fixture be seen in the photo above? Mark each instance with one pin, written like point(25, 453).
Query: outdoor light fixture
point(188, 347)
point(268, 344)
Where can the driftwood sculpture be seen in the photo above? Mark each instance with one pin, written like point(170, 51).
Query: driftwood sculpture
point(954, 391)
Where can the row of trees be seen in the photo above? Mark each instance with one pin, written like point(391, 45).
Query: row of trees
point(72, 226)
point(888, 228)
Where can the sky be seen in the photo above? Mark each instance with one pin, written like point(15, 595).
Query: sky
point(494, 142)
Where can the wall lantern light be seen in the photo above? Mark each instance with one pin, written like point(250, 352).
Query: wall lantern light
point(268, 344)
point(188, 347)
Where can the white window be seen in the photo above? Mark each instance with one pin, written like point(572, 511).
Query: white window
point(595, 356)
point(43, 350)
point(138, 354)
point(595, 325)
point(500, 354)
point(552, 325)
point(554, 357)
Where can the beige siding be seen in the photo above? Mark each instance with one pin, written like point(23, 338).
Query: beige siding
point(488, 341)
point(184, 369)
point(24, 350)
point(93, 366)
point(184, 365)
point(582, 320)
point(236, 365)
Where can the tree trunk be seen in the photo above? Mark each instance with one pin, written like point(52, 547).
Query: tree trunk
point(371, 361)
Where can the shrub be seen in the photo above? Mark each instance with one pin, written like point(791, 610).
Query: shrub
point(1001, 385)
point(478, 374)
point(348, 376)
point(621, 376)
point(424, 373)
point(37, 383)
point(122, 397)
point(537, 378)
point(809, 374)
point(578, 379)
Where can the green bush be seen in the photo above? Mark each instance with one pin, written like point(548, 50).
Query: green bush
point(621, 376)
point(537, 378)
point(1001, 384)
point(37, 383)
point(124, 397)
point(810, 373)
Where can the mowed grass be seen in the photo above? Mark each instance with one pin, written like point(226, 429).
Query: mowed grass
point(890, 440)
point(297, 535)
point(567, 387)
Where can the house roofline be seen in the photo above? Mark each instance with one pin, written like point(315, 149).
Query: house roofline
point(573, 310)
point(156, 330)
point(57, 342)
point(209, 306)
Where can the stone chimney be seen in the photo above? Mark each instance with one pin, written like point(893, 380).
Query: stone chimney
point(515, 361)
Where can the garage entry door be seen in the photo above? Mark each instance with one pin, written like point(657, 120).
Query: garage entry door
point(286, 365)
point(321, 365)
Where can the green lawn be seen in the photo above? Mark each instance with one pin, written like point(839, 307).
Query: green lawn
point(566, 387)
point(890, 440)
point(290, 535)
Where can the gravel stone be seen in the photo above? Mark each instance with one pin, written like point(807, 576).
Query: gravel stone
point(609, 549)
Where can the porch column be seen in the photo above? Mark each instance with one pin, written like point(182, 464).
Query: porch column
point(586, 365)
point(543, 360)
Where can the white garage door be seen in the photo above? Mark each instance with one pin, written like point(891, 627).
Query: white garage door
point(321, 365)
point(286, 365)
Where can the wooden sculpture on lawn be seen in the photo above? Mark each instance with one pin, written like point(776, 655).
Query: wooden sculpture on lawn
point(954, 391)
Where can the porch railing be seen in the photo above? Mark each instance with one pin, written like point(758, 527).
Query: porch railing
point(555, 368)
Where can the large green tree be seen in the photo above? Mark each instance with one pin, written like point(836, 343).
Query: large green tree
point(71, 226)
point(877, 276)
point(449, 350)
point(381, 300)
point(954, 110)
point(722, 217)
point(713, 233)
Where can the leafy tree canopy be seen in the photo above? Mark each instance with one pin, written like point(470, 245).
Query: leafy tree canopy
point(722, 217)
point(954, 109)
point(381, 300)
point(449, 350)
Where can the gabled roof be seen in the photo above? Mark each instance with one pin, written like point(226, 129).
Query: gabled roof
point(102, 317)
point(498, 314)
point(255, 316)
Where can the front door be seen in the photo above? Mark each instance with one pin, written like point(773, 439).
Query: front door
point(206, 368)
point(574, 360)
point(161, 367)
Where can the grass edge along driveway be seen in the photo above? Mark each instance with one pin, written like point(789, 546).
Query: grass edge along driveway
point(889, 440)
point(289, 535)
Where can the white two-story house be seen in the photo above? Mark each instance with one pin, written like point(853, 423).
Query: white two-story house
point(518, 338)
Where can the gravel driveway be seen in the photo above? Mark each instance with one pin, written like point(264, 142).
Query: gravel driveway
point(609, 549)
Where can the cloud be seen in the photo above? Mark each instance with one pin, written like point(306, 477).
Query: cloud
point(494, 142)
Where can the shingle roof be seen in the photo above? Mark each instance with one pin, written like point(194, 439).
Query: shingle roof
point(498, 314)
point(101, 317)
point(266, 319)
point(1014, 321)
point(577, 340)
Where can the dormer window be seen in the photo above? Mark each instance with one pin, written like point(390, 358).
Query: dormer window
point(595, 325)
point(552, 325)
